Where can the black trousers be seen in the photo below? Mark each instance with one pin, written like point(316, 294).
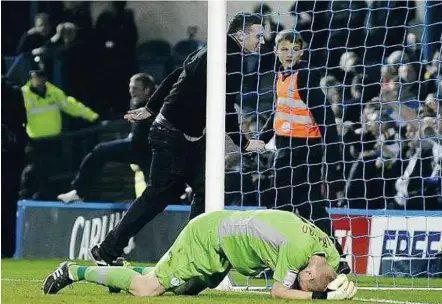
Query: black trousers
point(12, 167)
point(175, 161)
point(298, 182)
point(41, 160)
point(119, 150)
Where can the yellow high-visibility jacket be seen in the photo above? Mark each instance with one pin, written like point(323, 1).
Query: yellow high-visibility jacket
point(44, 113)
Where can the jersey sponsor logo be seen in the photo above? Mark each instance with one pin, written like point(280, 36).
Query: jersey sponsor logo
point(290, 279)
point(86, 233)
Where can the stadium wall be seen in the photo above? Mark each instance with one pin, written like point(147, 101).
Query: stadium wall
point(378, 242)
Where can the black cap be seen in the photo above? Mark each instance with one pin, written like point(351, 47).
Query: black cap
point(38, 73)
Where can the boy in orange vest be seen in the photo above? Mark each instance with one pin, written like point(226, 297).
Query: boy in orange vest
point(304, 127)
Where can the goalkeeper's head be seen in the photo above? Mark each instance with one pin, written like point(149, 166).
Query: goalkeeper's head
point(316, 276)
point(289, 47)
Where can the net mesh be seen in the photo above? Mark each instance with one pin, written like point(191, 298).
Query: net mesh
point(378, 66)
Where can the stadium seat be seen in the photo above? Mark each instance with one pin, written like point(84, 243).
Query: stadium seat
point(152, 57)
point(182, 49)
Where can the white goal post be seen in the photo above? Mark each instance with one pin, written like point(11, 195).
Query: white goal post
point(216, 104)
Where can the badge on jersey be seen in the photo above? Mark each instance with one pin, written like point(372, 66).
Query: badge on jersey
point(175, 282)
point(290, 279)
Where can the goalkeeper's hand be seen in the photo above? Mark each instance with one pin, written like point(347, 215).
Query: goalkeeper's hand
point(341, 288)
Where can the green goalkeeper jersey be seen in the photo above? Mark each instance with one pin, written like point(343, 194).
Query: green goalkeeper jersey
point(280, 240)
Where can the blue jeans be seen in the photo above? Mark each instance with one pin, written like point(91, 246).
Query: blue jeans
point(175, 161)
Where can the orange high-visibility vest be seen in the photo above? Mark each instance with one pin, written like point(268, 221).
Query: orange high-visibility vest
point(292, 117)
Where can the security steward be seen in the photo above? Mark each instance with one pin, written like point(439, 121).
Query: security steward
point(44, 103)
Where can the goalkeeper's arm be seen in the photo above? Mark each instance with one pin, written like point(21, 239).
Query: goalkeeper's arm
point(279, 291)
point(339, 289)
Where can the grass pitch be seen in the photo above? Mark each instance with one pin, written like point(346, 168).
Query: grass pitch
point(22, 279)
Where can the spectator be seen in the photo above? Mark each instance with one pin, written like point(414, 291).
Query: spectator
point(13, 147)
point(116, 31)
point(44, 103)
point(350, 121)
point(270, 30)
point(390, 71)
point(270, 27)
point(348, 68)
point(346, 29)
point(400, 89)
point(433, 73)
point(432, 35)
point(239, 188)
point(116, 38)
point(412, 47)
point(386, 26)
point(434, 104)
point(332, 89)
point(78, 13)
point(33, 40)
point(348, 62)
point(74, 62)
point(132, 149)
point(370, 178)
point(419, 185)
point(311, 21)
point(362, 90)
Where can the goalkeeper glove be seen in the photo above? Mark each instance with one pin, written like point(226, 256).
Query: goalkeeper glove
point(341, 288)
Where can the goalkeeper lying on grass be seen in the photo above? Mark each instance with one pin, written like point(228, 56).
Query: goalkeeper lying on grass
point(302, 257)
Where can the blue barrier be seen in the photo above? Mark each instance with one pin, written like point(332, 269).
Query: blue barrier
point(118, 207)
point(186, 208)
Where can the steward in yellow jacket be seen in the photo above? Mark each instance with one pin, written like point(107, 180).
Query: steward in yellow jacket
point(44, 103)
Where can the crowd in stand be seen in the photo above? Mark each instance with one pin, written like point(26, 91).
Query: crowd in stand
point(387, 101)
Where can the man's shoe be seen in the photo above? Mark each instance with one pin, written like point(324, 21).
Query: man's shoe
point(70, 197)
point(58, 280)
point(343, 267)
point(94, 254)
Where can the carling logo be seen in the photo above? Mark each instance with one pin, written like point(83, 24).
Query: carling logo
point(89, 232)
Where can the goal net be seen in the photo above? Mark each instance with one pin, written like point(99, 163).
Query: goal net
point(378, 67)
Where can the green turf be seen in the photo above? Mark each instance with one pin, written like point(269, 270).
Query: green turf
point(22, 279)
